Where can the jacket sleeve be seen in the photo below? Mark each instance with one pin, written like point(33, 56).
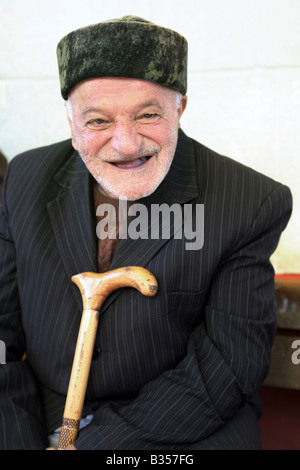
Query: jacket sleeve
point(21, 417)
point(227, 355)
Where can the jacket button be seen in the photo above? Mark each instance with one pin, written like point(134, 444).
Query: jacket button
point(96, 353)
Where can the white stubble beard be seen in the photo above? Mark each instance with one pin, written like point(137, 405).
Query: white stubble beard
point(88, 158)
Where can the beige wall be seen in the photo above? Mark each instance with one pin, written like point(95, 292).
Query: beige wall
point(244, 80)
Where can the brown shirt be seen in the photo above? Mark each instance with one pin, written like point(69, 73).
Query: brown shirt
point(108, 227)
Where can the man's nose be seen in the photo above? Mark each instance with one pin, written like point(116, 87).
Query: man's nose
point(126, 140)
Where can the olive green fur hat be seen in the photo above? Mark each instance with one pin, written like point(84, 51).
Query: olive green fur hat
point(128, 47)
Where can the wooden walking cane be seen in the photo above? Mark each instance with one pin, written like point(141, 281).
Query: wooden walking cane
point(94, 289)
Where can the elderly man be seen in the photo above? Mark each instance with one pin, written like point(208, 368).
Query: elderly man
point(179, 370)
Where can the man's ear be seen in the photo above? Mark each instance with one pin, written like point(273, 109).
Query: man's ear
point(182, 105)
point(71, 127)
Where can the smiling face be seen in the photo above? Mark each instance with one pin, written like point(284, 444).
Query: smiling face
point(125, 130)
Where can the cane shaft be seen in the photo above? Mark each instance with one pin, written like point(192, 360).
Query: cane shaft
point(79, 378)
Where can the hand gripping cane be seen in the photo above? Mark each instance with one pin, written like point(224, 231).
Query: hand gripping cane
point(94, 289)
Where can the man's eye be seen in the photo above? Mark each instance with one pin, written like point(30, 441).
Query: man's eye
point(148, 118)
point(96, 124)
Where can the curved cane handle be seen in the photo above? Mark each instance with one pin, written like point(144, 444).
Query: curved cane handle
point(94, 289)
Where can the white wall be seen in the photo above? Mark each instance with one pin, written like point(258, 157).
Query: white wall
point(244, 80)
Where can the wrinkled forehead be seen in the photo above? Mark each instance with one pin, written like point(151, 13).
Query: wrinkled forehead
point(127, 95)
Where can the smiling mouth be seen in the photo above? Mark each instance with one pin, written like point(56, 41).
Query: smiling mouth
point(131, 164)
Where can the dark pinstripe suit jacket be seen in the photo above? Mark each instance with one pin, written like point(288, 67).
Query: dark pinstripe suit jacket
point(176, 371)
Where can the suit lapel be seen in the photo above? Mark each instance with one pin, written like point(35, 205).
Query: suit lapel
point(71, 219)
